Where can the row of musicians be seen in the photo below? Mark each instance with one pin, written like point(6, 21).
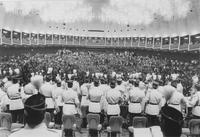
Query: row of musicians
point(101, 97)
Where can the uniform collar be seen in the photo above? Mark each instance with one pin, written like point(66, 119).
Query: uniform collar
point(40, 126)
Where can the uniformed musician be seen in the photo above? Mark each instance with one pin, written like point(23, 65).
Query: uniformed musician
point(70, 100)
point(47, 90)
point(113, 98)
point(194, 101)
point(177, 99)
point(34, 116)
point(84, 100)
point(136, 96)
point(95, 97)
point(153, 101)
point(16, 105)
point(57, 95)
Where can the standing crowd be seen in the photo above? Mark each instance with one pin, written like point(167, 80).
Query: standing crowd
point(108, 84)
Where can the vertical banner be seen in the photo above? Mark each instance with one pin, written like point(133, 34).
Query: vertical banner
point(83, 41)
point(69, 40)
point(108, 41)
point(121, 42)
point(149, 43)
point(6, 37)
point(184, 42)
point(16, 37)
point(90, 41)
point(175, 43)
point(41, 39)
point(128, 42)
point(25, 38)
point(135, 41)
point(49, 39)
point(165, 42)
point(63, 39)
point(34, 39)
point(115, 42)
point(55, 39)
point(157, 43)
point(76, 40)
point(195, 42)
point(142, 42)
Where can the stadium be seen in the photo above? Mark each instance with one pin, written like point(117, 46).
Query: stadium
point(73, 68)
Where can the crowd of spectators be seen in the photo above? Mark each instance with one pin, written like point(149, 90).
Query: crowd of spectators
point(125, 63)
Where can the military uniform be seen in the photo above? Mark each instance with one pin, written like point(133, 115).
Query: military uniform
point(70, 100)
point(153, 101)
point(16, 105)
point(136, 96)
point(176, 100)
point(84, 102)
point(57, 95)
point(47, 90)
point(39, 131)
point(34, 114)
point(195, 103)
point(113, 97)
point(95, 96)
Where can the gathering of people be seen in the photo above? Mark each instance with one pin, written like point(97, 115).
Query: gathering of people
point(107, 84)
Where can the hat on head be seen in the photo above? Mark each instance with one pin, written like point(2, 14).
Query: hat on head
point(35, 102)
point(171, 121)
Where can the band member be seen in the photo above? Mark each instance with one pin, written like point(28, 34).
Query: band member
point(47, 90)
point(84, 101)
point(194, 101)
point(34, 112)
point(113, 98)
point(153, 101)
point(70, 100)
point(16, 105)
point(136, 96)
point(177, 99)
point(95, 96)
point(57, 95)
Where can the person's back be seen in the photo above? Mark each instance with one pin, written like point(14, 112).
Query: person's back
point(39, 131)
point(70, 100)
point(176, 100)
point(34, 115)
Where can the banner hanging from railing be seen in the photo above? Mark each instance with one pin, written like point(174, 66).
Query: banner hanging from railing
point(149, 43)
point(25, 38)
point(6, 36)
point(157, 42)
point(165, 42)
point(184, 42)
point(195, 42)
point(135, 41)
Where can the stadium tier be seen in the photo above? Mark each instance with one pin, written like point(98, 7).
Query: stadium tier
point(180, 43)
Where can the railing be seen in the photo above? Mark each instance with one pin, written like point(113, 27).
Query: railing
point(182, 43)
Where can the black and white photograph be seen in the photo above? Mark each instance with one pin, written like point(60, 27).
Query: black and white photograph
point(99, 68)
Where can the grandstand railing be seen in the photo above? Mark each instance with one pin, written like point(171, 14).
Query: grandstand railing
point(181, 43)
